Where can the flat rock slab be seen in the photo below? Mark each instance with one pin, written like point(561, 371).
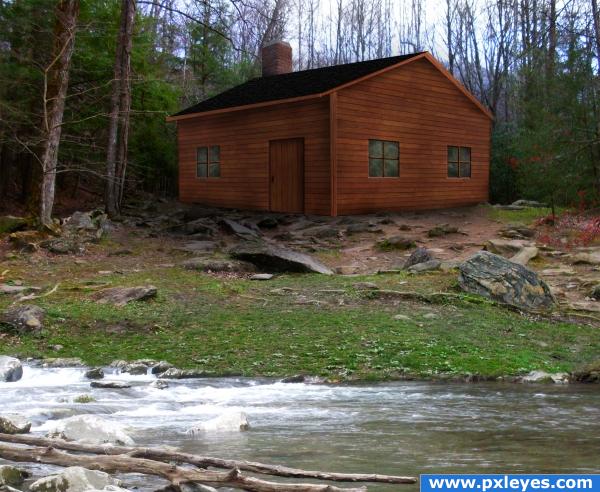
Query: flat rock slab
point(586, 259)
point(119, 296)
point(239, 229)
point(525, 255)
point(198, 247)
point(277, 259)
point(501, 280)
point(217, 266)
point(15, 289)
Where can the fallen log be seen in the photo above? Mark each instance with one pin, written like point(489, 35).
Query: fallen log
point(175, 474)
point(166, 455)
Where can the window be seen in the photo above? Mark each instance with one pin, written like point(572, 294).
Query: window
point(459, 162)
point(384, 159)
point(208, 162)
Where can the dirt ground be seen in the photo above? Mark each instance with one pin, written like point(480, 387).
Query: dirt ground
point(156, 233)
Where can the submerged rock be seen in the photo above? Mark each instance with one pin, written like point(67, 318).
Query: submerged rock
point(75, 479)
point(24, 318)
point(10, 475)
point(90, 429)
point(62, 362)
point(228, 422)
point(11, 369)
point(278, 259)
point(545, 377)
point(95, 373)
point(174, 373)
point(589, 373)
point(110, 385)
point(136, 368)
point(14, 424)
point(501, 280)
point(119, 296)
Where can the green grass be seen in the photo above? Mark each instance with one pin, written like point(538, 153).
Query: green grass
point(524, 217)
point(324, 326)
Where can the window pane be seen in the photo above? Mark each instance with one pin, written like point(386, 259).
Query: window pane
point(390, 150)
point(465, 169)
point(375, 148)
point(391, 168)
point(453, 170)
point(202, 154)
point(201, 170)
point(452, 154)
point(465, 154)
point(375, 168)
point(215, 153)
point(214, 170)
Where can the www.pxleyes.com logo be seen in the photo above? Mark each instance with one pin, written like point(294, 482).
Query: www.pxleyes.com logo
point(509, 483)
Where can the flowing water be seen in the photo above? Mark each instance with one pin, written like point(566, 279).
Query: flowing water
point(403, 428)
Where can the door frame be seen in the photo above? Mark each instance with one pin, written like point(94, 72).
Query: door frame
point(270, 178)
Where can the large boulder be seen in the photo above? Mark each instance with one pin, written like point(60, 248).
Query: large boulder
point(119, 296)
point(14, 424)
point(11, 369)
point(90, 429)
point(501, 280)
point(79, 221)
point(75, 479)
point(25, 318)
point(277, 259)
point(228, 422)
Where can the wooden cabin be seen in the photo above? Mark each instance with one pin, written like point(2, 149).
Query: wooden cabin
point(391, 134)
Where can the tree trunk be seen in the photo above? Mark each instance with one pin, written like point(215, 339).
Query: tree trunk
point(56, 81)
point(119, 110)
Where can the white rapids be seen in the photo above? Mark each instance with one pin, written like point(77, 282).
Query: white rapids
point(398, 428)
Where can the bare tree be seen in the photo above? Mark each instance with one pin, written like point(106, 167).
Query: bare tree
point(118, 133)
point(56, 82)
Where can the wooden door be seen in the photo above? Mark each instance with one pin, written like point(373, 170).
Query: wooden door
point(286, 175)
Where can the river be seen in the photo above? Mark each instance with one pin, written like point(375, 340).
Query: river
point(403, 428)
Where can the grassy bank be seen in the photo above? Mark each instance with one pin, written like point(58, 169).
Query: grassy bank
point(294, 324)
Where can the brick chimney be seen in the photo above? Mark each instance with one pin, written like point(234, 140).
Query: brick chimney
point(276, 58)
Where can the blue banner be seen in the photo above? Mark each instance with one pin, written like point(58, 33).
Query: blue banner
point(509, 483)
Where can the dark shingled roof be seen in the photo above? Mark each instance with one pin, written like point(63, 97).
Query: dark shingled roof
point(294, 84)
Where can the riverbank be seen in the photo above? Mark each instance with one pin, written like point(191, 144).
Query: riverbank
point(340, 327)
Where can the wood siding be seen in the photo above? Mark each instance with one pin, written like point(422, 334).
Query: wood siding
point(420, 108)
point(244, 140)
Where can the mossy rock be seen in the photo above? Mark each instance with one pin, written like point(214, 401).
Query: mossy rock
point(8, 223)
point(396, 243)
point(589, 373)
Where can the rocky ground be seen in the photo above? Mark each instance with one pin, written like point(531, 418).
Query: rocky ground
point(245, 266)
